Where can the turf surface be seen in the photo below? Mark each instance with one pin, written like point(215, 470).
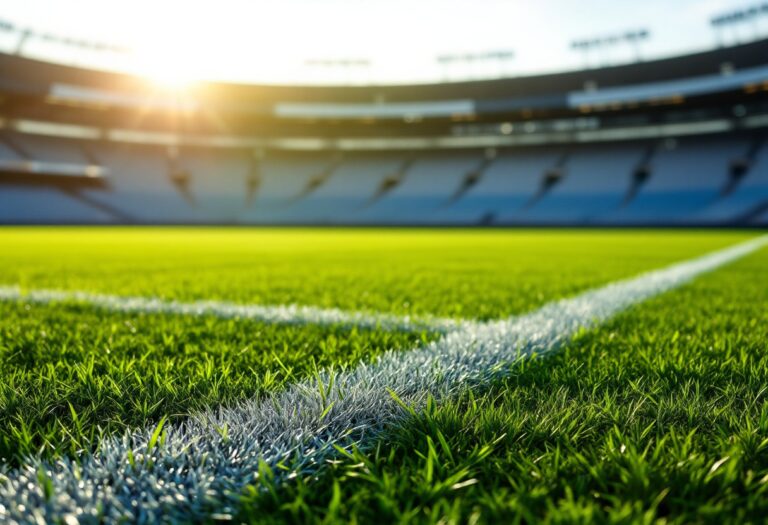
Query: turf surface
point(660, 416)
point(465, 273)
point(69, 374)
point(676, 382)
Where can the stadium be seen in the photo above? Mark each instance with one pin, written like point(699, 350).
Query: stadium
point(488, 287)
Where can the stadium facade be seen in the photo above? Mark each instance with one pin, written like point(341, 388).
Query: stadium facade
point(679, 141)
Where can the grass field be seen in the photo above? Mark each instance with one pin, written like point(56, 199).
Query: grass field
point(657, 415)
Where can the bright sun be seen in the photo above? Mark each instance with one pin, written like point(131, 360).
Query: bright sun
point(170, 79)
point(168, 69)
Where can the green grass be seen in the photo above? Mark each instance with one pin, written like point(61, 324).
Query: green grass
point(69, 373)
point(660, 416)
point(465, 273)
point(624, 425)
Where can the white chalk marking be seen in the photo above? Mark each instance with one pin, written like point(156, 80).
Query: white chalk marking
point(291, 314)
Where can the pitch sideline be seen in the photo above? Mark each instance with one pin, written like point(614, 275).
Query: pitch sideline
point(290, 314)
point(199, 466)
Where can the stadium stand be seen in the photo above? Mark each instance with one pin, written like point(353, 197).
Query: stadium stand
point(665, 142)
point(50, 149)
point(509, 185)
point(351, 185)
point(285, 178)
point(21, 205)
point(423, 192)
point(762, 219)
point(593, 181)
point(44, 180)
point(140, 185)
point(7, 151)
point(686, 175)
point(749, 194)
point(217, 182)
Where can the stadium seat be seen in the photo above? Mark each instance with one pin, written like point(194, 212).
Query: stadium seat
point(51, 149)
point(425, 190)
point(284, 179)
point(749, 194)
point(139, 184)
point(348, 189)
point(687, 175)
point(761, 219)
point(25, 205)
point(6, 153)
point(507, 186)
point(688, 182)
point(218, 182)
point(596, 180)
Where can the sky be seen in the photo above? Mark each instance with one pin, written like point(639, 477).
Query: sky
point(274, 41)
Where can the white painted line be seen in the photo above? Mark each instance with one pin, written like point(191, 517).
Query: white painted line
point(290, 314)
point(204, 462)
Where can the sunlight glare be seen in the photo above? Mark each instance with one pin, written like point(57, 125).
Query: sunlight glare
point(169, 71)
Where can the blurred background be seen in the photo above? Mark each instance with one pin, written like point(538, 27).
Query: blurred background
point(398, 113)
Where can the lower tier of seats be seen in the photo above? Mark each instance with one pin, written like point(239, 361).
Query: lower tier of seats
point(686, 181)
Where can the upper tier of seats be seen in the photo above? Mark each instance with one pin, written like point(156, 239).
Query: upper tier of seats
point(705, 180)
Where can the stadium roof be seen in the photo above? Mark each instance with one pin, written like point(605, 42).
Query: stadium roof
point(375, 42)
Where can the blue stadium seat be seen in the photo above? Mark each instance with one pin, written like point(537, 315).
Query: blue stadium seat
point(508, 184)
point(218, 182)
point(140, 186)
point(596, 180)
point(750, 193)
point(344, 195)
point(25, 205)
point(29, 205)
point(284, 176)
point(423, 194)
point(687, 175)
point(51, 149)
point(686, 184)
point(6, 153)
point(762, 219)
